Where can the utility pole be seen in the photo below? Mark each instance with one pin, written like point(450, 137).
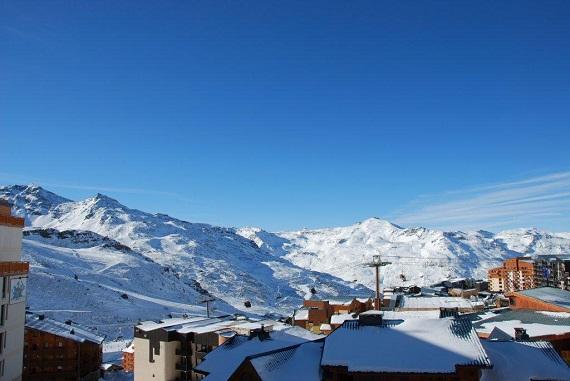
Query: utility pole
point(208, 300)
point(377, 263)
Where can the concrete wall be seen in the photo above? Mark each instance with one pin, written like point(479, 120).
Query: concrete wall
point(13, 328)
point(10, 243)
point(164, 366)
point(13, 353)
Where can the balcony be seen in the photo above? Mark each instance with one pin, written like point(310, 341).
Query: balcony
point(14, 268)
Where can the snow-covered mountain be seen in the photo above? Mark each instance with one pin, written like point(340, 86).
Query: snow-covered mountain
point(419, 256)
point(99, 262)
point(100, 256)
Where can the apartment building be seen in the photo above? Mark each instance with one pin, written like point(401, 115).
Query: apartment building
point(515, 274)
point(169, 350)
point(13, 282)
point(552, 271)
point(60, 351)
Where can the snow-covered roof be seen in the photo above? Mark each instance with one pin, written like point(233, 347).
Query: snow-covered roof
point(341, 318)
point(202, 325)
point(129, 349)
point(325, 327)
point(556, 296)
point(532, 329)
point(499, 334)
point(302, 314)
point(402, 315)
point(523, 361)
point(69, 331)
point(536, 323)
point(302, 360)
point(414, 346)
point(147, 326)
point(436, 302)
point(222, 362)
point(341, 302)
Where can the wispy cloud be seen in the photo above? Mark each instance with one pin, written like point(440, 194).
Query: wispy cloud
point(94, 188)
point(541, 200)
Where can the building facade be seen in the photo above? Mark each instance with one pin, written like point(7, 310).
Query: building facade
point(13, 284)
point(317, 313)
point(552, 271)
point(170, 349)
point(129, 358)
point(550, 299)
point(515, 274)
point(56, 351)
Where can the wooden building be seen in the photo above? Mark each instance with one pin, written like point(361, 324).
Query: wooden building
point(129, 358)
point(541, 299)
point(369, 349)
point(509, 324)
point(56, 351)
point(230, 361)
point(316, 313)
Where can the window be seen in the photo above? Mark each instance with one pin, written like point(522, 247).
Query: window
point(3, 310)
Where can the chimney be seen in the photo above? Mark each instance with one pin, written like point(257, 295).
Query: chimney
point(448, 312)
point(372, 317)
point(260, 333)
point(521, 335)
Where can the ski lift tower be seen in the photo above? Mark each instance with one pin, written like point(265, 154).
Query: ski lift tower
point(377, 263)
point(207, 300)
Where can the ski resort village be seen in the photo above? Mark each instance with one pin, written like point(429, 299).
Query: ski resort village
point(93, 290)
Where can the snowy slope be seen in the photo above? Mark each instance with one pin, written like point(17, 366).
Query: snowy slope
point(419, 256)
point(101, 283)
point(155, 256)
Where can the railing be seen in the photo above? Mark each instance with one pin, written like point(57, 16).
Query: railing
point(14, 268)
point(12, 221)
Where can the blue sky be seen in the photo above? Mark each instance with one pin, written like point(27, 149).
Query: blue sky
point(294, 114)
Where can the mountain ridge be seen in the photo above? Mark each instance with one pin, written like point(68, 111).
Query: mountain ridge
point(114, 246)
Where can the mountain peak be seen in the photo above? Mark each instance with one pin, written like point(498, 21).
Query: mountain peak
point(375, 221)
point(103, 200)
point(31, 199)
